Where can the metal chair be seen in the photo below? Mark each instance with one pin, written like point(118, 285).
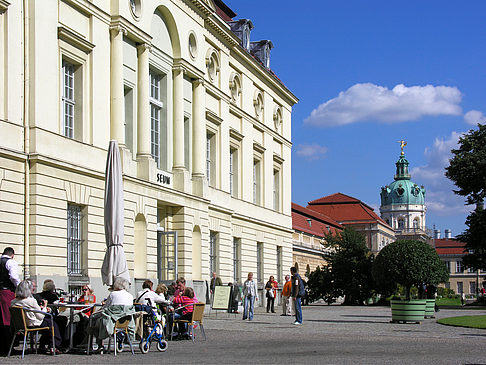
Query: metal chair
point(19, 322)
point(121, 326)
point(197, 318)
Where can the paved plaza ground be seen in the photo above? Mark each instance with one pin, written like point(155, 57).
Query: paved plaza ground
point(330, 335)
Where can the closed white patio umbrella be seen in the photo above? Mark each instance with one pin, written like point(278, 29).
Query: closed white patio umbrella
point(114, 263)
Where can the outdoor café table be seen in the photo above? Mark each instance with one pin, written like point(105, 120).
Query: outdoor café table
point(72, 308)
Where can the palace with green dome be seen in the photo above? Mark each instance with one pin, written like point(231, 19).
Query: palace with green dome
point(403, 203)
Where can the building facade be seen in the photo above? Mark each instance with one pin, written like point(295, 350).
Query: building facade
point(461, 280)
point(310, 230)
point(203, 124)
point(352, 212)
point(403, 204)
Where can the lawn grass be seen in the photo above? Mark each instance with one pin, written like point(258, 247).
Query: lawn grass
point(465, 321)
point(448, 301)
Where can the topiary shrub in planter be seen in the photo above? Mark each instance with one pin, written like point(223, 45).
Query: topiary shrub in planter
point(409, 263)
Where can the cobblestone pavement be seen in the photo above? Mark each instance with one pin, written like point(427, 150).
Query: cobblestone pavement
point(329, 335)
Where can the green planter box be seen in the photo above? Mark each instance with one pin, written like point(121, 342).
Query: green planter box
point(430, 308)
point(404, 311)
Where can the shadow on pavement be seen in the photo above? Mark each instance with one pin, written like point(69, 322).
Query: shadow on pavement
point(343, 321)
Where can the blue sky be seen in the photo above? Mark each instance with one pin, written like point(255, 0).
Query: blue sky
point(369, 73)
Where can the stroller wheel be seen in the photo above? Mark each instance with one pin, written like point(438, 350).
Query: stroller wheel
point(162, 345)
point(144, 346)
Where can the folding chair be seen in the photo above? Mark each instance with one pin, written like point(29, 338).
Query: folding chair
point(197, 318)
point(121, 326)
point(19, 322)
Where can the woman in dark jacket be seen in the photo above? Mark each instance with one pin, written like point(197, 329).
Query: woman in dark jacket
point(271, 288)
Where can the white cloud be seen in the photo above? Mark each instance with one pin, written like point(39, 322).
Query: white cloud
point(439, 198)
point(312, 151)
point(369, 102)
point(474, 117)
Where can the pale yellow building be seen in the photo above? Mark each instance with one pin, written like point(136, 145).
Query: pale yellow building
point(204, 129)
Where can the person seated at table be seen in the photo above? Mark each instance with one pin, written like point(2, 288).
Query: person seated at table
point(25, 299)
point(186, 299)
point(87, 297)
point(180, 286)
point(118, 305)
point(49, 294)
point(161, 290)
point(148, 297)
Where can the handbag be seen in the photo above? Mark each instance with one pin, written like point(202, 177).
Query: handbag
point(270, 293)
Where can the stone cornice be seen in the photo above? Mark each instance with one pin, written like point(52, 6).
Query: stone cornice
point(3, 6)
point(132, 32)
point(226, 34)
point(72, 38)
point(188, 68)
point(203, 6)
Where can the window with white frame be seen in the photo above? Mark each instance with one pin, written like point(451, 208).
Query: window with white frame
point(213, 252)
point(276, 189)
point(129, 125)
point(187, 143)
point(470, 270)
point(260, 272)
point(74, 240)
point(233, 172)
point(156, 106)
point(211, 158)
point(472, 287)
point(279, 264)
point(448, 265)
point(257, 181)
point(401, 223)
point(236, 259)
point(459, 266)
point(68, 101)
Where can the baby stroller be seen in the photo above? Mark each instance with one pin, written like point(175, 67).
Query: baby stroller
point(153, 331)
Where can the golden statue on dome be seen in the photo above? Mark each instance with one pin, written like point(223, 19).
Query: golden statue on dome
point(402, 144)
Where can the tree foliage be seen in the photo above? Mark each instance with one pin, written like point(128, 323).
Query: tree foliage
point(348, 270)
point(408, 263)
point(467, 169)
point(475, 238)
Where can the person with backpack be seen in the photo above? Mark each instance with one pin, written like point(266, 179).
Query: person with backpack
point(297, 292)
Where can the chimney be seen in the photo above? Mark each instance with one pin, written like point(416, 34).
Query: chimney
point(242, 29)
point(437, 234)
point(309, 221)
point(261, 50)
point(448, 233)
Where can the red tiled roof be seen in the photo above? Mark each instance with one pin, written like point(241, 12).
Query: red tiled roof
point(319, 222)
point(224, 11)
point(447, 246)
point(345, 209)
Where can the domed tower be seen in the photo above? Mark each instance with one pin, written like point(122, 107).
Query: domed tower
point(403, 203)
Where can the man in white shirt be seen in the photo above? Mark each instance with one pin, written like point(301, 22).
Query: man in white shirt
point(9, 279)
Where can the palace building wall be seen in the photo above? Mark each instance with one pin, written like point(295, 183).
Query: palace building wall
point(204, 129)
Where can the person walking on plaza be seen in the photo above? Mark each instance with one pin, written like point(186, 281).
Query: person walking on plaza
point(286, 303)
point(9, 279)
point(250, 293)
point(271, 292)
point(298, 291)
